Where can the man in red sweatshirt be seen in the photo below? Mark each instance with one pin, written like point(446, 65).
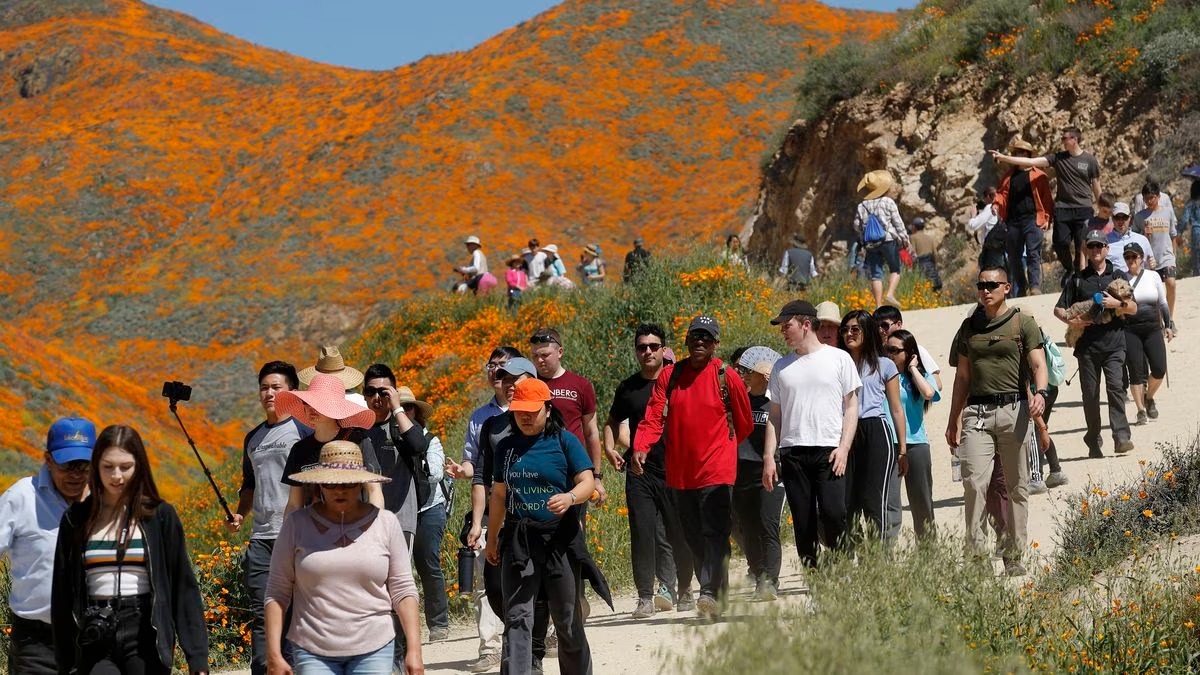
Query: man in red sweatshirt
point(700, 411)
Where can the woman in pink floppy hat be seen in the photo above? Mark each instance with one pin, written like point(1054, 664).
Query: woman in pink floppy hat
point(323, 406)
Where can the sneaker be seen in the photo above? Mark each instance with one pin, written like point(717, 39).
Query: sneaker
point(1151, 409)
point(1056, 479)
point(1141, 419)
point(552, 645)
point(766, 591)
point(1124, 447)
point(891, 300)
point(706, 607)
point(1037, 487)
point(685, 603)
point(644, 609)
point(1013, 568)
point(485, 663)
point(663, 600)
point(439, 634)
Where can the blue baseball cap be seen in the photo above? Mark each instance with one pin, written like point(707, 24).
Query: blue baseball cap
point(519, 365)
point(71, 439)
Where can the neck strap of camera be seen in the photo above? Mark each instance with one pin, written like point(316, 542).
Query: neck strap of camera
point(123, 538)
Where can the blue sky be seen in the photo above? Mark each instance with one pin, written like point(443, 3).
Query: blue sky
point(382, 34)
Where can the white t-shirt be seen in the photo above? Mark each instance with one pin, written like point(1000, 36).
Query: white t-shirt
point(931, 366)
point(809, 390)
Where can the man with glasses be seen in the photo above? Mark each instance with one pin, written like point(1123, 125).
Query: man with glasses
point(574, 397)
point(1078, 176)
point(889, 319)
point(998, 360)
point(701, 411)
point(30, 511)
point(1101, 346)
point(264, 454)
point(657, 548)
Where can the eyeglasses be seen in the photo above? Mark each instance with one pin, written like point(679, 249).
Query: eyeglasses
point(1096, 244)
point(371, 392)
point(508, 380)
point(543, 339)
point(885, 326)
point(741, 370)
point(493, 365)
point(79, 466)
point(894, 350)
point(851, 330)
point(648, 347)
point(988, 286)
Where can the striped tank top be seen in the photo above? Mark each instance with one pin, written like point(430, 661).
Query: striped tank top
point(107, 579)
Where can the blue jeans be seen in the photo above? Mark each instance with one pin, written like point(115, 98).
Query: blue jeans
point(1196, 251)
point(1024, 240)
point(378, 662)
point(885, 254)
point(427, 560)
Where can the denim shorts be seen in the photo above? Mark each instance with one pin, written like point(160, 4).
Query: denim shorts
point(887, 253)
point(378, 662)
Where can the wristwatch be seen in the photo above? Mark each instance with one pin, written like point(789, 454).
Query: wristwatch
point(1044, 393)
point(599, 475)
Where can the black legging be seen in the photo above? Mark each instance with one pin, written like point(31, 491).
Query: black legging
point(1144, 344)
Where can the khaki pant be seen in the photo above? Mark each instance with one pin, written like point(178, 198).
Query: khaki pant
point(988, 431)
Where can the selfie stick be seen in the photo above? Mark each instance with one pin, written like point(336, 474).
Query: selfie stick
point(207, 473)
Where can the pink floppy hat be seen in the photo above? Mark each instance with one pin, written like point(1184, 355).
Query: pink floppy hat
point(325, 394)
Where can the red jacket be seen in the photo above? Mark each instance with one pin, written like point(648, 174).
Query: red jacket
point(699, 451)
point(1043, 200)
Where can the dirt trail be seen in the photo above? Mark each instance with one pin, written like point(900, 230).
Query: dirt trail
point(623, 645)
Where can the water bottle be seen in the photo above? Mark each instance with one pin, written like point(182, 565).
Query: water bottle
point(466, 569)
point(955, 466)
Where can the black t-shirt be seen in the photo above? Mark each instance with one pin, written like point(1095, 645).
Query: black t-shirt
point(1083, 285)
point(752, 448)
point(1020, 198)
point(494, 430)
point(629, 403)
point(306, 453)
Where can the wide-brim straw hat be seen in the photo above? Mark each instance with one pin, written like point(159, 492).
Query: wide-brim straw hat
point(406, 396)
point(876, 183)
point(330, 362)
point(340, 463)
point(325, 395)
point(1019, 143)
point(473, 240)
point(591, 249)
point(516, 257)
point(553, 248)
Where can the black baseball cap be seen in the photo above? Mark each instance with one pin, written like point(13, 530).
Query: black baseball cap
point(1133, 247)
point(707, 324)
point(795, 308)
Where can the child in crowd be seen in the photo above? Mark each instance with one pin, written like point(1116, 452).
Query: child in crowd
point(1103, 220)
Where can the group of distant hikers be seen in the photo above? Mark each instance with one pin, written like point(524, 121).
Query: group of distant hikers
point(347, 493)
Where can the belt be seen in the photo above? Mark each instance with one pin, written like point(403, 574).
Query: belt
point(122, 601)
point(995, 399)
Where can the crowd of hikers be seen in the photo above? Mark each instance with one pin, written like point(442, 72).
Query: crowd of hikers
point(347, 493)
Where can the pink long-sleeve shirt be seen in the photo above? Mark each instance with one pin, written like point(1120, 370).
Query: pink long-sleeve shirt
point(341, 596)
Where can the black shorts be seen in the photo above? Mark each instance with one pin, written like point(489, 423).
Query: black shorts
point(1166, 272)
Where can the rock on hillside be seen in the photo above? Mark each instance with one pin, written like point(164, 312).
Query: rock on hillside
point(934, 141)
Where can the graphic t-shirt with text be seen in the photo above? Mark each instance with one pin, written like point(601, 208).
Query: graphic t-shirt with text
point(264, 455)
point(535, 468)
point(573, 397)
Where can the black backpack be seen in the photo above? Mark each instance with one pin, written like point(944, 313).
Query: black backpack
point(997, 237)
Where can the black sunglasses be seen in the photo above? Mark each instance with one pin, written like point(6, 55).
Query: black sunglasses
point(988, 285)
point(702, 336)
point(78, 466)
point(885, 326)
point(1096, 244)
point(648, 347)
point(543, 340)
point(894, 350)
point(371, 392)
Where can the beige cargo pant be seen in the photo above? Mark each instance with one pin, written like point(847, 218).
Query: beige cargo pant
point(988, 431)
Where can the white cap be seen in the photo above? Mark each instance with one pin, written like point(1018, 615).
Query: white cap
point(1121, 208)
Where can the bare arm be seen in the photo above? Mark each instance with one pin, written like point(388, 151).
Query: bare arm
point(958, 400)
point(495, 521)
point(892, 389)
point(295, 499)
point(1039, 162)
point(612, 437)
point(375, 495)
point(591, 434)
point(244, 506)
point(922, 385)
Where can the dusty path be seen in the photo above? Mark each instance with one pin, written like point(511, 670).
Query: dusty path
point(622, 645)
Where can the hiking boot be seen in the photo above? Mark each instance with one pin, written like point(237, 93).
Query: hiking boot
point(706, 608)
point(1094, 453)
point(1141, 419)
point(1037, 487)
point(1035, 291)
point(439, 634)
point(644, 609)
point(1124, 447)
point(1151, 409)
point(1056, 479)
point(663, 600)
point(766, 591)
point(685, 603)
point(485, 663)
point(1013, 568)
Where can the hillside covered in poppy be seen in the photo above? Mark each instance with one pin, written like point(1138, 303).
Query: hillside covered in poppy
point(179, 204)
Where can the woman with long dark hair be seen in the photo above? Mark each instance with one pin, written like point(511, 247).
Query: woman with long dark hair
point(540, 475)
point(918, 390)
point(878, 455)
point(124, 588)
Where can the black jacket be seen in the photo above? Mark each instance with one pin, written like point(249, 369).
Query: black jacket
point(177, 606)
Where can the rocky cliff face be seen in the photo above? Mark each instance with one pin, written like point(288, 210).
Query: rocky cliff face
point(934, 141)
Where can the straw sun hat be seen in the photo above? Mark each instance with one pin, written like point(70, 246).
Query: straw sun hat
point(877, 183)
point(331, 362)
point(340, 463)
point(325, 395)
point(406, 396)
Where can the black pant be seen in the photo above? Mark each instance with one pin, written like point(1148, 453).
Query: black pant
point(1091, 362)
point(1070, 226)
point(1051, 452)
point(546, 568)
point(31, 650)
point(756, 513)
point(875, 478)
point(1145, 345)
point(656, 542)
point(918, 484)
point(493, 589)
point(706, 510)
point(813, 491)
point(134, 651)
point(258, 568)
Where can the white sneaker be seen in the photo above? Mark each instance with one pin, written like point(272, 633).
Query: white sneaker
point(1037, 487)
point(1056, 479)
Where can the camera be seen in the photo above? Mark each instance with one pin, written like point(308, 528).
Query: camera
point(99, 626)
point(177, 391)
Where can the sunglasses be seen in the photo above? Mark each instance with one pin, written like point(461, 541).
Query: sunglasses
point(885, 326)
point(648, 347)
point(371, 392)
point(741, 370)
point(543, 339)
point(1131, 256)
point(79, 466)
point(988, 285)
point(1096, 244)
point(851, 330)
point(340, 486)
point(894, 350)
point(701, 336)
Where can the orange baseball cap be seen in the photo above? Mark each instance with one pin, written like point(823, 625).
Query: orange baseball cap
point(530, 395)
